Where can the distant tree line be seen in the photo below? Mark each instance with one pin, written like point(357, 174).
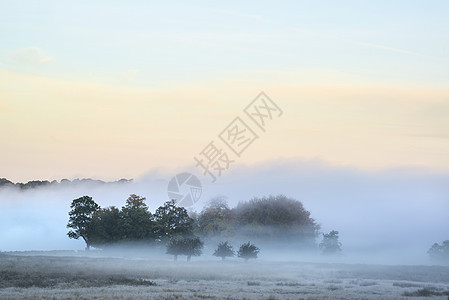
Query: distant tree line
point(4, 183)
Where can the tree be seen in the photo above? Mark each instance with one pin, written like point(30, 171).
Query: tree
point(330, 243)
point(172, 221)
point(106, 227)
point(189, 246)
point(80, 218)
point(276, 217)
point(137, 219)
point(216, 219)
point(439, 253)
point(224, 250)
point(192, 247)
point(247, 251)
point(194, 215)
point(174, 247)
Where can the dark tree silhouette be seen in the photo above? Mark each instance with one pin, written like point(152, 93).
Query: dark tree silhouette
point(137, 219)
point(80, 218)
point(330, 243)
point(247, 251)
point(224, 250)
point(172, 221)
point(106, 227)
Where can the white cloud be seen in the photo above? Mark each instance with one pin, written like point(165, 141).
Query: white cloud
point(30, 56)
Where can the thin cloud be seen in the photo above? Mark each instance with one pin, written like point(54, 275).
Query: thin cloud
point(30, 56)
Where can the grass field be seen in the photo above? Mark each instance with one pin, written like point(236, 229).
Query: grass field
point(73, 276)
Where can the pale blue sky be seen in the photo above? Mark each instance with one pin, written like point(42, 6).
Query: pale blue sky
point(386, 41)
point(146, 84)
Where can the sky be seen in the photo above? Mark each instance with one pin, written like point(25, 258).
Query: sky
point(108, 89)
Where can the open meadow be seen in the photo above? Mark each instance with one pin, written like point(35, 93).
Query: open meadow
point(71, 275)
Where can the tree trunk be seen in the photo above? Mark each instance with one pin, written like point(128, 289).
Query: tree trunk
point(87, 243)
point(188, 257)
point(175, 257)
point(222, 258)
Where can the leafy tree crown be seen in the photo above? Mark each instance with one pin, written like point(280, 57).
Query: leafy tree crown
point(248, 251)
point(224, 250)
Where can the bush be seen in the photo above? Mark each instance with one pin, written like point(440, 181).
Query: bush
point(440, 253)
point(247, 251)
point(330, 243)
point(224, 250)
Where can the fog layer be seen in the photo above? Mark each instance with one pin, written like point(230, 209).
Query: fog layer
point(383, 217)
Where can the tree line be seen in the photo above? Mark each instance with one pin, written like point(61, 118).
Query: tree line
point(5, 183)
point(100, 227)
point(273, 218)
point(192, 246)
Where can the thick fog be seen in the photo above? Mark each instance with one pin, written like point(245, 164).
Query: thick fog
point(390, 216)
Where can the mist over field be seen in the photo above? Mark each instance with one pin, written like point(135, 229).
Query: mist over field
point(390, 217)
